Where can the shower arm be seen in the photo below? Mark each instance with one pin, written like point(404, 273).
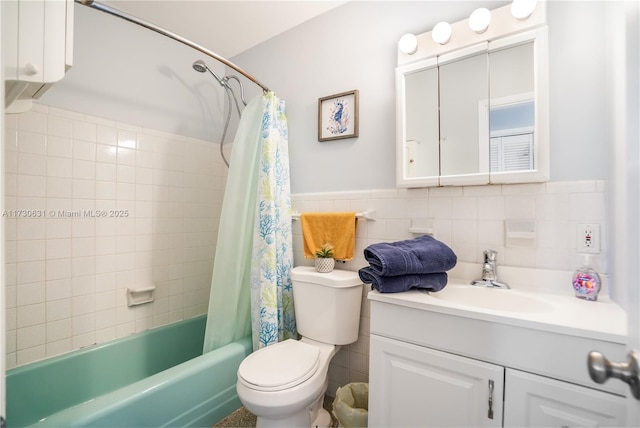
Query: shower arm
point(201, 67)
point(180, 39)
point(235, 100)
point(241, 87)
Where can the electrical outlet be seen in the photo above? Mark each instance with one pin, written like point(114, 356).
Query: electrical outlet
point(588, 238)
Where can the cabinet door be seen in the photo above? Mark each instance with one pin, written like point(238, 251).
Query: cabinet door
point(413, 386)
point(537, 401)
point(464, 140)
point(31, 35)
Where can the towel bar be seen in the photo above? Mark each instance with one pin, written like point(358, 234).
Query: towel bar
point(366, 215)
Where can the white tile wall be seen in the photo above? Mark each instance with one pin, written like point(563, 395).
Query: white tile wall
point(469, 220)
point(67, 274)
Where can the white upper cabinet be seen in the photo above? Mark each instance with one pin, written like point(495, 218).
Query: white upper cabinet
point(475, 110)
point(37, 48)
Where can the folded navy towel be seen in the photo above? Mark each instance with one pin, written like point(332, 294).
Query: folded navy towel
point(399, 283)
point(423, 254)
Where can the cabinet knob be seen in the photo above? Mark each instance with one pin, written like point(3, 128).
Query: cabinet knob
point(30, 69)
point(601, 369)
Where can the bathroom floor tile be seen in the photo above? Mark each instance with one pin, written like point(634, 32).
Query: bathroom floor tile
point(242, 418)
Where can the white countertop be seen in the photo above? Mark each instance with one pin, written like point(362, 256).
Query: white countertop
point(542, 309)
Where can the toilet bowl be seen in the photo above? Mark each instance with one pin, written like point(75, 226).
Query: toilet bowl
point(284, 384)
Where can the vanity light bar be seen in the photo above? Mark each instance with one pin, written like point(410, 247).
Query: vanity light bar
point(482, 25)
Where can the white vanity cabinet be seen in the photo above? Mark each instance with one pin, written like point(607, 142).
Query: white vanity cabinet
point(37, 48)
point(412, 386)
point(442, 365)
point(537, 401)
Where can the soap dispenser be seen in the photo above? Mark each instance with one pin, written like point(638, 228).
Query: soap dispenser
point(586, 281)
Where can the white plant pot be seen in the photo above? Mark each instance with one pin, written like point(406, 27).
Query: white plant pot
point(325, 265)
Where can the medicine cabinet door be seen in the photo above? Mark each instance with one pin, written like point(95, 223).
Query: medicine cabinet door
point(421, 151)
point(464, 142)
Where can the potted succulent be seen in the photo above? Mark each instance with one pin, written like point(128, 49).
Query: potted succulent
point(324, 258)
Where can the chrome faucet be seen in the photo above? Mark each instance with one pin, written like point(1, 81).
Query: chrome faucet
point(490, 272)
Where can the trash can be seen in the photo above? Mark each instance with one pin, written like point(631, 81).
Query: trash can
point(351, 405)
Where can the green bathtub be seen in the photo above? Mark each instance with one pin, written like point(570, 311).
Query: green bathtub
point(152, 379)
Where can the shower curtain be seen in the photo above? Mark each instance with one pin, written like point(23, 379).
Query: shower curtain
point(251, 282)
point(271, 294)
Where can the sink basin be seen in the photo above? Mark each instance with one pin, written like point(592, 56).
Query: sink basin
point(492, 299)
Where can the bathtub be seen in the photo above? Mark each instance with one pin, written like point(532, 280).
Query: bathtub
point(152, 379)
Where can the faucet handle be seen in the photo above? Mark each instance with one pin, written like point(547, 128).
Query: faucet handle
point(490, 255)
point(490, 272)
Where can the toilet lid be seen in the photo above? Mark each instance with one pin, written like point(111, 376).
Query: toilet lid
point(279, 366)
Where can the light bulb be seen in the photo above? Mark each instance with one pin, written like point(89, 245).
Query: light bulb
point(441, 33)
point(408, 44)
point(522, 9)
point(479, 20)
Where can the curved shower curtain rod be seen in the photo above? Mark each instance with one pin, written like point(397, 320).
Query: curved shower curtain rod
point(152, 27)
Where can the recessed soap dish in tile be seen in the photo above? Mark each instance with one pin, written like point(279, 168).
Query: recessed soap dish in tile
point(520, 233)
point(421, 226)
point(140, 296)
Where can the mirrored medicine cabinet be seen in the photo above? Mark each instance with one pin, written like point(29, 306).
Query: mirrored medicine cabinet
point(475, 114)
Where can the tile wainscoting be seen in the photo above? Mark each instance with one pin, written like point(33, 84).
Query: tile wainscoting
point(470, 220)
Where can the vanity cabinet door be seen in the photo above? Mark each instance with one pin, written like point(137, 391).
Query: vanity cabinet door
point(414, 386)
point(537, 401)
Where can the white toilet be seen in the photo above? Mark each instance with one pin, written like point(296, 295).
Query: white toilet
point(284, 384)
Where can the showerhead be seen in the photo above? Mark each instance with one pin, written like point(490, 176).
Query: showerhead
point(200, 66)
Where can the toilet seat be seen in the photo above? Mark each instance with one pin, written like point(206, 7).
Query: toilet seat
point(279, 366)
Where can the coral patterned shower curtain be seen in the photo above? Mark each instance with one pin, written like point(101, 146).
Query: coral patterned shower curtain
point(251, 283)
point(271, 295)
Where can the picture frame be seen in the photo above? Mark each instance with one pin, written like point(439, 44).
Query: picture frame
point(338, 116)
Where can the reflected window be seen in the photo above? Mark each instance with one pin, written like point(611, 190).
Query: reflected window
point(511, 136)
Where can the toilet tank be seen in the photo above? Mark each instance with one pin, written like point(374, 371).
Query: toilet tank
point(327, 305)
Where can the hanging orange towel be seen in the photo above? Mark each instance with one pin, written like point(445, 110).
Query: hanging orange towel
point(337, 229)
